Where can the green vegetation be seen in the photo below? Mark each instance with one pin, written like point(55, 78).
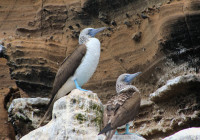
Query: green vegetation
point(80, 118)
point(98, 120)
point(96, 107)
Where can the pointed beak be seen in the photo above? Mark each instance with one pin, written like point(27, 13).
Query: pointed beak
point(130, 77)
point(93, 32)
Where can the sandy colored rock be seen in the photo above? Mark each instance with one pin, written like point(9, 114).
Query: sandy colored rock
point(169, 48)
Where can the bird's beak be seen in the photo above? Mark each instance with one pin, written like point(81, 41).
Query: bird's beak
point(130, 77)
point(93, 32)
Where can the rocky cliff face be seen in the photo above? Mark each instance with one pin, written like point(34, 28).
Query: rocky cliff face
point(159, 38)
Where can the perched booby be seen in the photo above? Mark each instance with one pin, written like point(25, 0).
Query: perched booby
point(76, 69)
point(123, 107)
point(2, 51)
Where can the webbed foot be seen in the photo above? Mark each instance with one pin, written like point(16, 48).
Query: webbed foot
point(78, 87)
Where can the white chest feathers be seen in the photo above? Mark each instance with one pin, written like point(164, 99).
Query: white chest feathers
point(89, 62)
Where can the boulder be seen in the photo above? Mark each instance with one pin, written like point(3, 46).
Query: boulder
point(174, 87)
point(186, 134)
point(25, 113)
point(77, 116)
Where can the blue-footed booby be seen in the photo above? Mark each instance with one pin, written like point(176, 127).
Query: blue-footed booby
point(76, 69)
point(123, 107)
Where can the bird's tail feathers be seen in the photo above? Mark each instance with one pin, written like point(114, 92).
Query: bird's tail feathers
point(106, 129)
point(110, 134)
point(47, 115)
point(49, 108)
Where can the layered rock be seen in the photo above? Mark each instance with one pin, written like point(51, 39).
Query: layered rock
point(173, 87)
point(75, 116)
point(25, 113)
point(38, 35)
point(174, 106)
point(33, 64)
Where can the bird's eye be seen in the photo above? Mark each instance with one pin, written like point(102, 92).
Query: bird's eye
point(125, 78)
point(89, 32)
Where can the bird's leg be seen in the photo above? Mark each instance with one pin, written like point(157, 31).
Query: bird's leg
point(116, 133)
point(78, 87)
point(127, 130)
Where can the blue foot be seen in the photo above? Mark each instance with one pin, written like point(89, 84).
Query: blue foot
point(78, 87)
point(128, 133)
point(82, 89)
point(116, 133)
point(127, 130)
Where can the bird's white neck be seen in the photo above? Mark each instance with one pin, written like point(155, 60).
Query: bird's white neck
point(89, 62)
point(122, 87)
point(83, 39)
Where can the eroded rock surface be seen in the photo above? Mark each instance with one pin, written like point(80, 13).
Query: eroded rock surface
point(175, 106)
point(39, 34)
point(186, 134)
point(178, 85)
point(25, 113)
point(77, 116)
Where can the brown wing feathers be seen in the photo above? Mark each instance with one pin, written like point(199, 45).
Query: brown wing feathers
point(67, 69)
point(121, 109)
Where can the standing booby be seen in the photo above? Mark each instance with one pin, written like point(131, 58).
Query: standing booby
point(76, 69)
point(122, 108)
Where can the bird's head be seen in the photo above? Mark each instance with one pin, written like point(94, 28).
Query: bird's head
point(89, 33)
point(127, 78)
